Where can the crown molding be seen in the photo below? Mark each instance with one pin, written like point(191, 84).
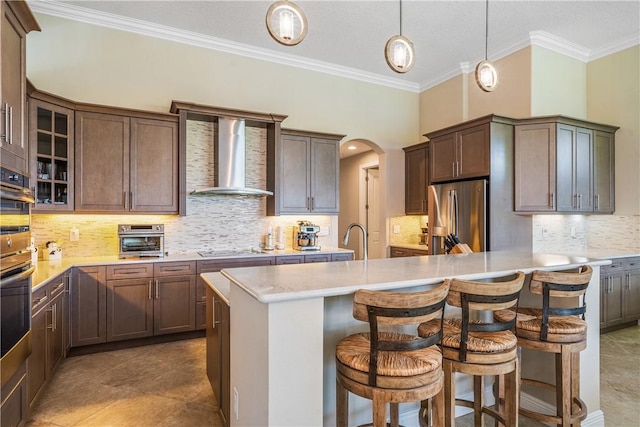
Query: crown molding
point(559, 45)
point(615, 47)
point(80, 14)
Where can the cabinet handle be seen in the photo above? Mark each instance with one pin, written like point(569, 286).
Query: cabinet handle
point(213, 309)
point(312, 202)
point(5, 111)
point(131, 199)
point(53, 311)
point(307, 205)
point(457, 168)
point(610, 285)
point(628, 281)
point(175, 269)
point(596, 202)
point(10, 125)
point(125, 201)
point(157, 290)
point(39, 301)
point(150, 288)
point(453, 169)
point(552, 200)
point(57, 287)
point(579, 200)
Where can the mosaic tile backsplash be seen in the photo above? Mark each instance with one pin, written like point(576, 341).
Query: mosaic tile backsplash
point(212, 222)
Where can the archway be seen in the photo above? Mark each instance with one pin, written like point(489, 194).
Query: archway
point(361, 197)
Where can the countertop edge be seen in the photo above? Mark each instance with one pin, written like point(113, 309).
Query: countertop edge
point(218, 284)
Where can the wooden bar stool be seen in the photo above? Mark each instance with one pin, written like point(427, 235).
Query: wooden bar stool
point(559, 330)
point(480, 348)
point(390, 366)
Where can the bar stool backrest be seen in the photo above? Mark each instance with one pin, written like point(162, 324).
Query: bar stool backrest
point(398, 308)
point(487, 294)
point(563, 284)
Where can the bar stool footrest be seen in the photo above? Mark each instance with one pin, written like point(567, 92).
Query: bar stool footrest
point(489, 411)
point(578, 403)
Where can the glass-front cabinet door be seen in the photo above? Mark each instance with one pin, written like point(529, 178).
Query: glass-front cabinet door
point(51, 154)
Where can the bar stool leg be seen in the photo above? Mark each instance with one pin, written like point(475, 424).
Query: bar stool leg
point(510, 395)
point(564, 400)
point(575, 379)
point(437, 409)
point(342, 406)
point(449, 394)
point(379, 409)
point(478, 400)
point(394, 413)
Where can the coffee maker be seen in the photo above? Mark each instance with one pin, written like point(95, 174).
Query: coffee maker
point(305, 236)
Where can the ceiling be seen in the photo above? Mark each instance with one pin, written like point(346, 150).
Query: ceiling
point(347, 37)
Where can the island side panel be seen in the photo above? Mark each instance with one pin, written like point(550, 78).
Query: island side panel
point(276, 361)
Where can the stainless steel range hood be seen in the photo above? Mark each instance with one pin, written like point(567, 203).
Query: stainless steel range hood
point(230, 163)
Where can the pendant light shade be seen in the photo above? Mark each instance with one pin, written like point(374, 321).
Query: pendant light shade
point(486, 73)
point(399, 52)
point(286, 23)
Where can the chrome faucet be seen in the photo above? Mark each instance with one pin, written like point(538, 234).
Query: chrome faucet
point(345, 240)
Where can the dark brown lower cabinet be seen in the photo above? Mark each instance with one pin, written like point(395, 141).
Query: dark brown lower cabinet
point(619, 293)
point(88, 306)
point(174, 308)
point(47, 335)
point(398, 252)
point(218, 351)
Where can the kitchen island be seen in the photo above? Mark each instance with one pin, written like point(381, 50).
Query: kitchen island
point(286, 321)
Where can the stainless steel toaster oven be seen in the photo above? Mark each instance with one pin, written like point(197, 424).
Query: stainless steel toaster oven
point(141, 240)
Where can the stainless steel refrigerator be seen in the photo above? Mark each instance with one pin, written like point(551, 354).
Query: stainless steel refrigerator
point(458, 208)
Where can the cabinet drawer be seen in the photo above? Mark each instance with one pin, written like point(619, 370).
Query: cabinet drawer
point(342, 257)
point(293, 259)
point(56, 287)
point(317, 258)
point(632, 263)
point(163, 269)
point(214, 265)
point(400, 252)
point(39, 300)
point(617, 264)
point(130, 271)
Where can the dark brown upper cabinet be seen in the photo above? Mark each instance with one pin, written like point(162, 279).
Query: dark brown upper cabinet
point(126, 162)
point(304, 171)
point(416, 179)
point(564, 165)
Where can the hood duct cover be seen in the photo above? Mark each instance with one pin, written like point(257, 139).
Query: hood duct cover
point(230, 162)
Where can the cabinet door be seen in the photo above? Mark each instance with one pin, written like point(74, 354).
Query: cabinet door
point(342, 257)
point(317, 258)
point(583, 180)
point(603, 172)
point(214, 362)
point(565, 151)
point(294, 259)
point(416, 173)
point(55, 343)
point(102, 162)
point(129, 309)
point(325, 179)
point(37, 361)
point(473, 152)
point(174, 304)
point(12, 49)
point(88, 306)
point(399, 252)
point(154, 166)
point(294, 184)
point(442, 157)
point(51, 146)
point(632, 295)
point(535, 168)
point(614, 305)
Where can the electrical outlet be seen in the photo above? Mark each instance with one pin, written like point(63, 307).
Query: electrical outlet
point(236, 403)
point(396, 229)
point(573, 231)
point(544, 231)
point(74, 235)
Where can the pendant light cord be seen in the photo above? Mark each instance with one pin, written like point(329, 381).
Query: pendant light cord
point(400, 17)
point(486, 31)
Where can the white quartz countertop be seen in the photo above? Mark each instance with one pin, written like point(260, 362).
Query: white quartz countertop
point(219, 284)
point(300, 281)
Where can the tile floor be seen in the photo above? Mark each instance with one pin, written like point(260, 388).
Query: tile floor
point(166, 385)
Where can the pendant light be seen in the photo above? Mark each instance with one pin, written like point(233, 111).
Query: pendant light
point(486, 73)
point(286, 23)
point(399, 51)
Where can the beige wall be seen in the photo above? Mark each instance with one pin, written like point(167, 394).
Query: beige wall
point(558, 84)
point(459, 98)
point(614, 98)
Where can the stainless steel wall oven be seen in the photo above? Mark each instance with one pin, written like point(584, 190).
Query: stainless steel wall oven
point(15, 271)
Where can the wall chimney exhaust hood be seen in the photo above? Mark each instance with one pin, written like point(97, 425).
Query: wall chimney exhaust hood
point(230, 161)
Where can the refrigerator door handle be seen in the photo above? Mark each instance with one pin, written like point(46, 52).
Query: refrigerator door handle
point(455, 212)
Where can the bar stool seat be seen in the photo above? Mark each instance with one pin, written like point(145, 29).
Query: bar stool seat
point(391, 366)
point(561, 330)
